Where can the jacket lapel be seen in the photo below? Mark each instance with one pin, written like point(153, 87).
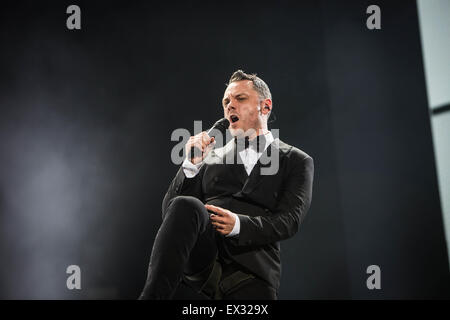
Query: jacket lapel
point(256, 177)
point(228, 156)
point(221, 155)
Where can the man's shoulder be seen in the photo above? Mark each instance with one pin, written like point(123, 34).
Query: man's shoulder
point(292, 152)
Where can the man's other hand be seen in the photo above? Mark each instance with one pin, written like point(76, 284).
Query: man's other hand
point(222, 219)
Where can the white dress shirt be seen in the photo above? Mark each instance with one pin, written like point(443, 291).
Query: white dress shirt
point(249, 157)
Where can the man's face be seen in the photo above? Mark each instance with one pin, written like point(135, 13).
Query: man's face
point(240, 106)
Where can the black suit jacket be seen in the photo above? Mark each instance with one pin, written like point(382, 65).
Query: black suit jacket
point(270, 207)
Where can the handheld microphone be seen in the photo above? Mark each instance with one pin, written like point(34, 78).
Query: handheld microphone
point(221, 125)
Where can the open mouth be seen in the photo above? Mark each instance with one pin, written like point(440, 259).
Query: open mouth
point(234, 118)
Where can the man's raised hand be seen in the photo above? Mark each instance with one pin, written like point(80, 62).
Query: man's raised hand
point(202, 143)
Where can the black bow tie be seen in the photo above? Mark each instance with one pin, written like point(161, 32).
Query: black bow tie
point(258, 144)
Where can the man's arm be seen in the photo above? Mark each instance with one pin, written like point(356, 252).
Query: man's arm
point(292, 206)
point(188, 180)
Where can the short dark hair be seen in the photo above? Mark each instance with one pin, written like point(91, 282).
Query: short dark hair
point(258, 84)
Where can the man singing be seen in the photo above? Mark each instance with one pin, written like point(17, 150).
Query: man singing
point(223, 220)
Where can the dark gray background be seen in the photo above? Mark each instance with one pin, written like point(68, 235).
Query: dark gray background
point(86, 118)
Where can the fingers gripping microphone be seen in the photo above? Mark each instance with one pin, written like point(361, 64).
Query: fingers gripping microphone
point(221, 125)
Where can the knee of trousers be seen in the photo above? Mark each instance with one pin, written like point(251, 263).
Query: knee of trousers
point(185, 207)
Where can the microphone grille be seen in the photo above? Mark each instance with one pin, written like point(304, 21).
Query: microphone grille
point(221, 125)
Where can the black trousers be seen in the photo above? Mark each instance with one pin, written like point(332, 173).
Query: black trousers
point(187, 243)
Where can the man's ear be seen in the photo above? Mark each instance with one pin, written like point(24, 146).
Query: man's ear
point(267, 106)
